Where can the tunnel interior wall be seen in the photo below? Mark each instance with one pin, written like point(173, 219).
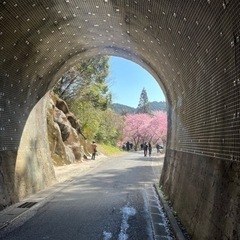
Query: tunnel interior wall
point(30, 168)
point(205, 193)
point(7, 173)
point(202, 163)
point(34, 167)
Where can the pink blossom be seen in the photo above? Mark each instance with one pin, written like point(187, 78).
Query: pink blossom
point(139, 128)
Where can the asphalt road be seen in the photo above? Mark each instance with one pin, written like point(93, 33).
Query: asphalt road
point(109, 201)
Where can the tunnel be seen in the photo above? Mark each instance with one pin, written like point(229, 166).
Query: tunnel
point(191, 47)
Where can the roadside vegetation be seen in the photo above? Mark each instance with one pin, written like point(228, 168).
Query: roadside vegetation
point(109, 150)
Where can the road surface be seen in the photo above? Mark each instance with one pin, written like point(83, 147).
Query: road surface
point(114, 199)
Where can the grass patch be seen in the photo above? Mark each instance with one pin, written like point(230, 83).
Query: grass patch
point(109, 150)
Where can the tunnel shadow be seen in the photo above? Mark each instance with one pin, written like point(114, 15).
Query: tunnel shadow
point(92, 204)
point(115, 180)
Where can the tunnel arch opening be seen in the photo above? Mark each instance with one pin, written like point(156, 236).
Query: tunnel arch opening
point(32, 151)
point(193, 47)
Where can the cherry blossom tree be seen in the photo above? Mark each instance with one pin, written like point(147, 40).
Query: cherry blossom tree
point(140, 128)
point(158, 128)
point(135, 127)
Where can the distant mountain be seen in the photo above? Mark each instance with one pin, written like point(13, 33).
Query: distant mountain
point(158, 106)
point(123, 109)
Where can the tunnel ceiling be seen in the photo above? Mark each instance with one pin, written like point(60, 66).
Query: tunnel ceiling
point(168, 38)
point(190, 46)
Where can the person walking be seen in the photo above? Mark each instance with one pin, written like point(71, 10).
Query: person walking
point(145, 149)
point(149, 149)
point(158, 148)
point(94, 150)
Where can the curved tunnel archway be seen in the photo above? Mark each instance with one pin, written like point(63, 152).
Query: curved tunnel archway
point(192, 48)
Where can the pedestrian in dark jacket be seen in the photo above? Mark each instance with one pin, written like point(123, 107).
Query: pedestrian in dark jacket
point(149, 149)
point(145, 149)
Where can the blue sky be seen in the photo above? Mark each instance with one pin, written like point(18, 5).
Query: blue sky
point(127, 79)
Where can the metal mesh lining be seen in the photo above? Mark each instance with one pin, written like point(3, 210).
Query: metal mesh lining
point(191, 47)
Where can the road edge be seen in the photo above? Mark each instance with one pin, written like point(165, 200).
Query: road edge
point(176, 229)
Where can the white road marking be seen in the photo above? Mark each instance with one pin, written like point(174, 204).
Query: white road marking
point(107, 235)
point(126, 213)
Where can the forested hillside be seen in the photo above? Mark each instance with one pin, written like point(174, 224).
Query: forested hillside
point(123, 109)
point(158, 106)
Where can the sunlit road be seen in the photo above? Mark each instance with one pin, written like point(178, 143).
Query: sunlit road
point(108, 202)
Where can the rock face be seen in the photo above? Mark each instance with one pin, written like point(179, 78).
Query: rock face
point(51, 136)
point(67, 144)
point(33, 169)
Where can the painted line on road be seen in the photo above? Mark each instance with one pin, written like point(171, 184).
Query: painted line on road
point(127, 212)
point(107, 235)
point(160, 225)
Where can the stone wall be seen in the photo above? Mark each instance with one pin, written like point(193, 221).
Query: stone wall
point(34, 168)
point(8, 194)
point(205, 193)
point(29, 169)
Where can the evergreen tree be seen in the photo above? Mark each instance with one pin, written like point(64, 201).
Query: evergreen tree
point(143, 106)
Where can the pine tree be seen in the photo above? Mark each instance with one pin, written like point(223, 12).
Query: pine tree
point(143, 106)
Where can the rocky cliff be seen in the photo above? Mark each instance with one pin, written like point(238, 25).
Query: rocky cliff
point(66, 141)
point(51, 137)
